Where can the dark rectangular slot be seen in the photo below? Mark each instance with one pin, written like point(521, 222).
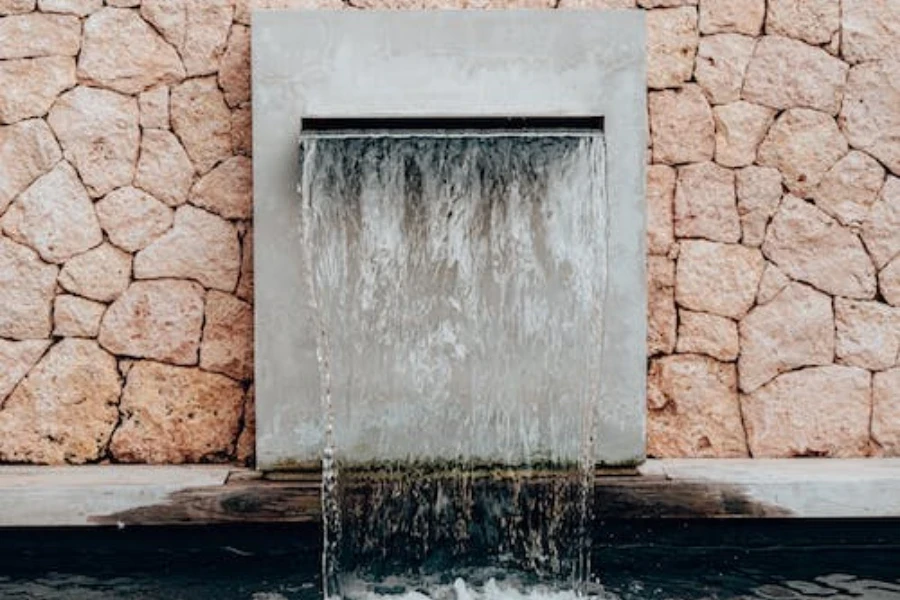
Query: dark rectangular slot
point(451, 124)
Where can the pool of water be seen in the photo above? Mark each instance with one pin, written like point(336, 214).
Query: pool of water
point(630, 560)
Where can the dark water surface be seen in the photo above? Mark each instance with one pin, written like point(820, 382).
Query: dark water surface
point(648, 560)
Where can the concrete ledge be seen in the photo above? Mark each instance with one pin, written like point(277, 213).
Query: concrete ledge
point(145, 495)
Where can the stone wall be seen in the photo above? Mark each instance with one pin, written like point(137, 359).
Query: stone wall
point(126, 277)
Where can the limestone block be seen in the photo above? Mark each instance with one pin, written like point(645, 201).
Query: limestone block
point(871, 30)
point(815, 22)
point(660, 202)
point(30, 85)
point(154, 107)
point(758, 196)
point(681, 126)
point(100, 274)
point(870, 117)
point(721, 279)
point(227, 190)
point(35, 34)
point(868, 334)
point(662, 319)
point(885, 408)
point(199, 30)
point(202, 121)
point(234, 72)
point(740, 127)
point(705, 205)
point(27, 151)
point(881, 229)
point(702, 333)
point(849, 189)
point(672, 40)
point(27, 285)
point(74, 316)
point(227, 345)
point(16, 359)
point(722, 62)
point(728, 16)
point(164, 169)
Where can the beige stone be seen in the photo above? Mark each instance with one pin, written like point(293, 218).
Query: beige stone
point(242, 131)
point(174, 415)
point(848, 190)
point(771, 284)
point(243, 8)
point(785, 73)
point(812, 21)
point(702, 333)
point(820, 411)
point(803, 144)
point(662, 319)
point(889, 282)
point(881, 229)
point(16, 359)
point(234, 72)
point(665, 3)
point(731, 16)
point(794, 329)
point(672, 40)
point(721, 64)
point(74, 316)
point(245, 452)
point(159, 319)
point(64, 411)
point(154, 107)
point(245, 284)
point(740, 127)
point(16, 7)
point(660, 198)
point(133, 219)
point(81, 8)
point(199, 30)
point(478, 4)
point(164, 169)
point(99, 133)
point(681, 126)
point(27, 151)
point(885, 408)
point(871, 30)
point(227, 190)
point(32, 84)
point(721, 279)
point(694, 410)
point(810, 246)
point(227, 345)
point(27, 285)
point(100, 274)
point(202, 121)
point(122, 52)
point(36, 34)
point(870, 117)
point(868, 334)
point(200, 246)
point(54, 216)
point(123, 3)
point(705, 204)
point(758, 196)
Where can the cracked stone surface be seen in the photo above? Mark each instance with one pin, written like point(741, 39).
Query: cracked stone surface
point(227, 345)
point(662, 317)
point(74, 316)
point(672, 40)
point(31, 85)
point(868, 334)
point(100, 274)
point(701, 333)
point(27, 151)
point(16, 359)
point(870, 117)
point(27, 285)
point(35, 34)
point(132, 218)
point(705, 205)
point(682, 129)
point(202, 121)
point(720, 279)
point(722, 62)
point(164, 169)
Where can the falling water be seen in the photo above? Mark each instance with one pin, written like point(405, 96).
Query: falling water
point(457, 287)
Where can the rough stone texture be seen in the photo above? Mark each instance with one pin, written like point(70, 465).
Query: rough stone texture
point(665, 3)
point(772, 282)
point(848, 190)
point(245, 284)
point(81, 8)
point(245, 452)
point(36, 34)
point(177, 415)
point(227, 190)
point(64, 411)
point(881, 230)
point(26, 292)
point(160, 320)
point(154, 107)
point(242, 131)
point(202, 121)
point(889, 282)
point(100, 274)
point(164, 169)
point(662, 320)
point(885, 408)
point(803, 144)
point(721, 64)
point(200, 246)
point(27, 151)
point(672, 40)
point(199, 30)
point(821, 411)
point(740, 127)
point(234, 72)
point(681, 126)
point(785, 73)
point(54, 216)
point(32, 84)
point(870, 117)
point(729, 16)
point(243, 8)
point(871, 30)
point(758, 196)
point(810, 246)
point(701, 333)
point(227, 345)
point(99, 133)
point(795, 329)
point(721, 279)
point(76, 317)
point(705, 204)
point(812, 21)
point(133, 219)
point(660, 202)
point(16, 359)
point(16, 7)
point(868, 334)
point(694, 410)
